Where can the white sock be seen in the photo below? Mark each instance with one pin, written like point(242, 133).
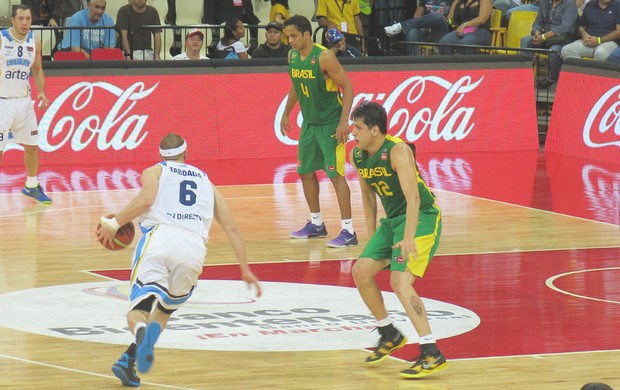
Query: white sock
point(138, 326)
point(399, 26)
point(32, 181)
point(316, 219)
point(384, 322)
point(428, 339)
point(347, 224)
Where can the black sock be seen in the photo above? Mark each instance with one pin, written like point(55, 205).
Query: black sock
point(430, 349)
point(388, 331)
point(131, 351)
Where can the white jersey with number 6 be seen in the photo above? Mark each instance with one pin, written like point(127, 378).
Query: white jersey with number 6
point(184, 200)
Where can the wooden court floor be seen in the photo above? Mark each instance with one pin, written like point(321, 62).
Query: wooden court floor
point(543, 280)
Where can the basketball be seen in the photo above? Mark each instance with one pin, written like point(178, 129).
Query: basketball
point(124, 235)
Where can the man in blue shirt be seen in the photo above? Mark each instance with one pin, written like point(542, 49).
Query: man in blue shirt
point(599, 28)
point(86, 40)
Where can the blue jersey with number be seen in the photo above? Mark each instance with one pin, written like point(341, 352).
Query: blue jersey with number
point(184, 200)
point(16, 59)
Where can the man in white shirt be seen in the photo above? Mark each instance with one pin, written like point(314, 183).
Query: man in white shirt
point(193, 46)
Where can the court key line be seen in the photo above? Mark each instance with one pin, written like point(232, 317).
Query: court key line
point(86, 372)
point(549, 282)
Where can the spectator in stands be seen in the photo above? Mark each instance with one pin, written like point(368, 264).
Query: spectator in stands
point(614, 56)
point(533, 6)
point(52, 13)
point(338, 44)
point(193, 46)
point(230, 46)
point(365, 12)
point(552, 29)
point(86, 40)
point(505, 5)
point(279, 12)
point(220, 11)
point(129, 18)
point(343, 15)
point(273, 46)
point(472, 19)
point(599, 28)
point(429, 24)
point(171, 14)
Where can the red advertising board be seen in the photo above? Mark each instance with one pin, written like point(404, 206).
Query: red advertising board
point(584, 121)
point(111, 119)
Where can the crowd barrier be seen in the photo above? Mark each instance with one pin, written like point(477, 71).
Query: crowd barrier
point(97, 114)
point(105, 120)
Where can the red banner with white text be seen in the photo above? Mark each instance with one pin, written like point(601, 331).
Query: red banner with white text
point(107, 119)
point(585, 119)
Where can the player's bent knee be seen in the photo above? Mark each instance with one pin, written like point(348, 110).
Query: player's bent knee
point(164, 310)
point(145, 304)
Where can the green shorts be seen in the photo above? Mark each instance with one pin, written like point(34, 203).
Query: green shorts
point(391, 230)
point(319, 150)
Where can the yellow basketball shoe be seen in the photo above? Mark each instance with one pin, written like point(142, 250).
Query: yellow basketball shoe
point(425, 364)
point(387, 345)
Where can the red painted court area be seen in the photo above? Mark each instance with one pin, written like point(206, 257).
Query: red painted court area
point(537, 302)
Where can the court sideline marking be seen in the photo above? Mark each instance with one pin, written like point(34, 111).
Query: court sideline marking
point(28, 361)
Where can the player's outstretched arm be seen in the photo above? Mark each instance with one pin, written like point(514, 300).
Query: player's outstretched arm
point(224, 217)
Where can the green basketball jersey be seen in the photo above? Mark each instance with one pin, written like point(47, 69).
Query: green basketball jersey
point(377, 172)
point(319, 98)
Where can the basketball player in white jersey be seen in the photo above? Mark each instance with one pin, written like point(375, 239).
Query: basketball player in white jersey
point(20, 52)
point(176, 206)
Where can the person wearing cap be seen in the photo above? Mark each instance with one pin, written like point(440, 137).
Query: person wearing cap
point(273, 46)
point(193, 46)
point(338, 44)
point(176, 207)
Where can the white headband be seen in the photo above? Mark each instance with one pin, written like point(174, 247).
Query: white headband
point(173, 152)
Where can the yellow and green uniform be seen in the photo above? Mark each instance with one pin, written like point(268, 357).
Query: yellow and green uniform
point(321, 107)
point(377, 171)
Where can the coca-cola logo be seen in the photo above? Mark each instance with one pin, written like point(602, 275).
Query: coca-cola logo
point(99, 113)
point(600, 187)
point(602, 127)
point(409, 114)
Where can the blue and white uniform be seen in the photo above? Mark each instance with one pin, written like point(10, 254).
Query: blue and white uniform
point(170, 255)
point(16, 106)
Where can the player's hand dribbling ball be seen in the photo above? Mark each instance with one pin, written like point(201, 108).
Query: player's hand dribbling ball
point(123, 237)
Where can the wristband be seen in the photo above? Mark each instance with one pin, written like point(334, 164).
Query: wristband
point(543, 37)
point(449, 21)
point(110, 223)
point(599, 40)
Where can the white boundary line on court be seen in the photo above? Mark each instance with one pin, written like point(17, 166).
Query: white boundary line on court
point(549, 283)
point(54, 366)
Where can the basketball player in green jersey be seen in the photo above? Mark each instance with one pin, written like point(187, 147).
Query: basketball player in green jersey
point(405, 240)
point(317, 75)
